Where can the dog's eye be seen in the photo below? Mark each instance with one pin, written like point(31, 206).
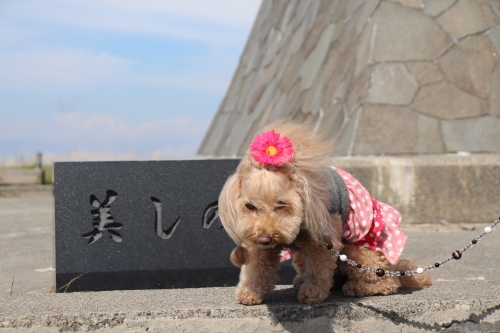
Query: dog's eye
point(250, 206)
point(281, 205)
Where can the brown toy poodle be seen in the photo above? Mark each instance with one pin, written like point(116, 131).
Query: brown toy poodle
point(285, 200)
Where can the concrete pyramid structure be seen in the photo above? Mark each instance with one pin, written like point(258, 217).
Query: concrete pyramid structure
point(395, 77)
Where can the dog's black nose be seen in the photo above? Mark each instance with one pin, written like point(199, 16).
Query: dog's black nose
point(264, 239)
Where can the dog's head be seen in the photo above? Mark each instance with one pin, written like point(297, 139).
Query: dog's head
point(261, 207)
point(265, 204)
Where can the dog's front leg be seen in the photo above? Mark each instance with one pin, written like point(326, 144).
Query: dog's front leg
point(318, 274)
point(258, 276)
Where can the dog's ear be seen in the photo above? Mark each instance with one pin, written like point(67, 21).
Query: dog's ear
point(227, 206)
point(240, 256)
point(315, 201)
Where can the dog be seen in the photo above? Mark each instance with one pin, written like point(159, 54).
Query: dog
point(286, 199)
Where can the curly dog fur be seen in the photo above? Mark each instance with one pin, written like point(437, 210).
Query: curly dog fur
point(264, 211)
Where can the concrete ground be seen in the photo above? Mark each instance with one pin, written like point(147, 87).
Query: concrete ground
point(465, 297)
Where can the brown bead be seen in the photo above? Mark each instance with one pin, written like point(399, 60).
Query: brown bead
point(403, 273)
point(380, 272)
point(474, 241)
point(329, 247)
point(358, 265)
point(456, 255)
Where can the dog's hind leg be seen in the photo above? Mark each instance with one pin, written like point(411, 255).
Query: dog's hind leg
point(317, 276)
point(258, 276)
point(361, 283)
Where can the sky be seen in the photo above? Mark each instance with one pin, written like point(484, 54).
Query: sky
point(115, 79)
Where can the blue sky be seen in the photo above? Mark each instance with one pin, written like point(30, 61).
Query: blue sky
point(115, 79)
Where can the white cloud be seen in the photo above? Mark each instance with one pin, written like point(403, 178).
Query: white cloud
point(51, 68)
point(201, 20)
point(96, 129)
point(31, 63)
point(94, 136)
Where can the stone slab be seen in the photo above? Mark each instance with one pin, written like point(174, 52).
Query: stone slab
point(474, 135)
point(142, 225)
point(468, 65)
point(467, 17)
point(445, 101)
point(404, 34)
point(391, 83)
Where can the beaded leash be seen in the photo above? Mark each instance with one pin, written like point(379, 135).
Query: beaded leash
point(380, 272)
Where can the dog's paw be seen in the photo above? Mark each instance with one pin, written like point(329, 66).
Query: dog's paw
point(297, 281)
point(364, 290)
point(248, 297)
point(349, 290)
point(310, 294)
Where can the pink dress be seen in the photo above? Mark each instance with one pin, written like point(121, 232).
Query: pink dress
point(370, 223)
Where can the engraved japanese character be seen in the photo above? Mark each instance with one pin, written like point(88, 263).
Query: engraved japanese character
point(103, 221)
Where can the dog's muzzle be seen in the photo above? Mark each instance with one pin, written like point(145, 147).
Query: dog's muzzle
point(264, 239)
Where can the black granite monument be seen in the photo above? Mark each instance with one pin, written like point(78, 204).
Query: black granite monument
point(143, 225)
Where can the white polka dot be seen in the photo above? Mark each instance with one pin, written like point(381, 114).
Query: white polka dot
point(385, 207)
point(359, 205)
point(351, 225)
point(367, 208)
point(355, 182)
point(355, 240)
point(351, 197)
point(399, 241)
point(371, 216)
point(376, 224)
point(363, 223)
point(372, 235)
point(375, 243)
point(345, 177)
point(347, 233)
point(360, 190)
point(378, 233)
point(394, 225)
point(391, 253)
point(366, 245)
point(397, 232)
point(363, 199)
point(389, 245)
point(353, 205)
point(358, 232)
point(361, 213)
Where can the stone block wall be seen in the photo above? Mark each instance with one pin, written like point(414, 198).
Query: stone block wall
point(383, 77)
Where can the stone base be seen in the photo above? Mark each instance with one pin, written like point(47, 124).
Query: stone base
point(428, 189)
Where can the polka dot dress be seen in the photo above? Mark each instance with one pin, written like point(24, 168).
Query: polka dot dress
point(371, 223)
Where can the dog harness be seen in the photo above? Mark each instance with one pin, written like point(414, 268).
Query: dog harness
point(365, 221)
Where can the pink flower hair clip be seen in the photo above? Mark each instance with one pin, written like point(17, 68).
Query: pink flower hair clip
point(269, 148)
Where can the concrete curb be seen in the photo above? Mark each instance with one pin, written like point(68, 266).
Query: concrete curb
point(215, 309)
point(428, 189)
